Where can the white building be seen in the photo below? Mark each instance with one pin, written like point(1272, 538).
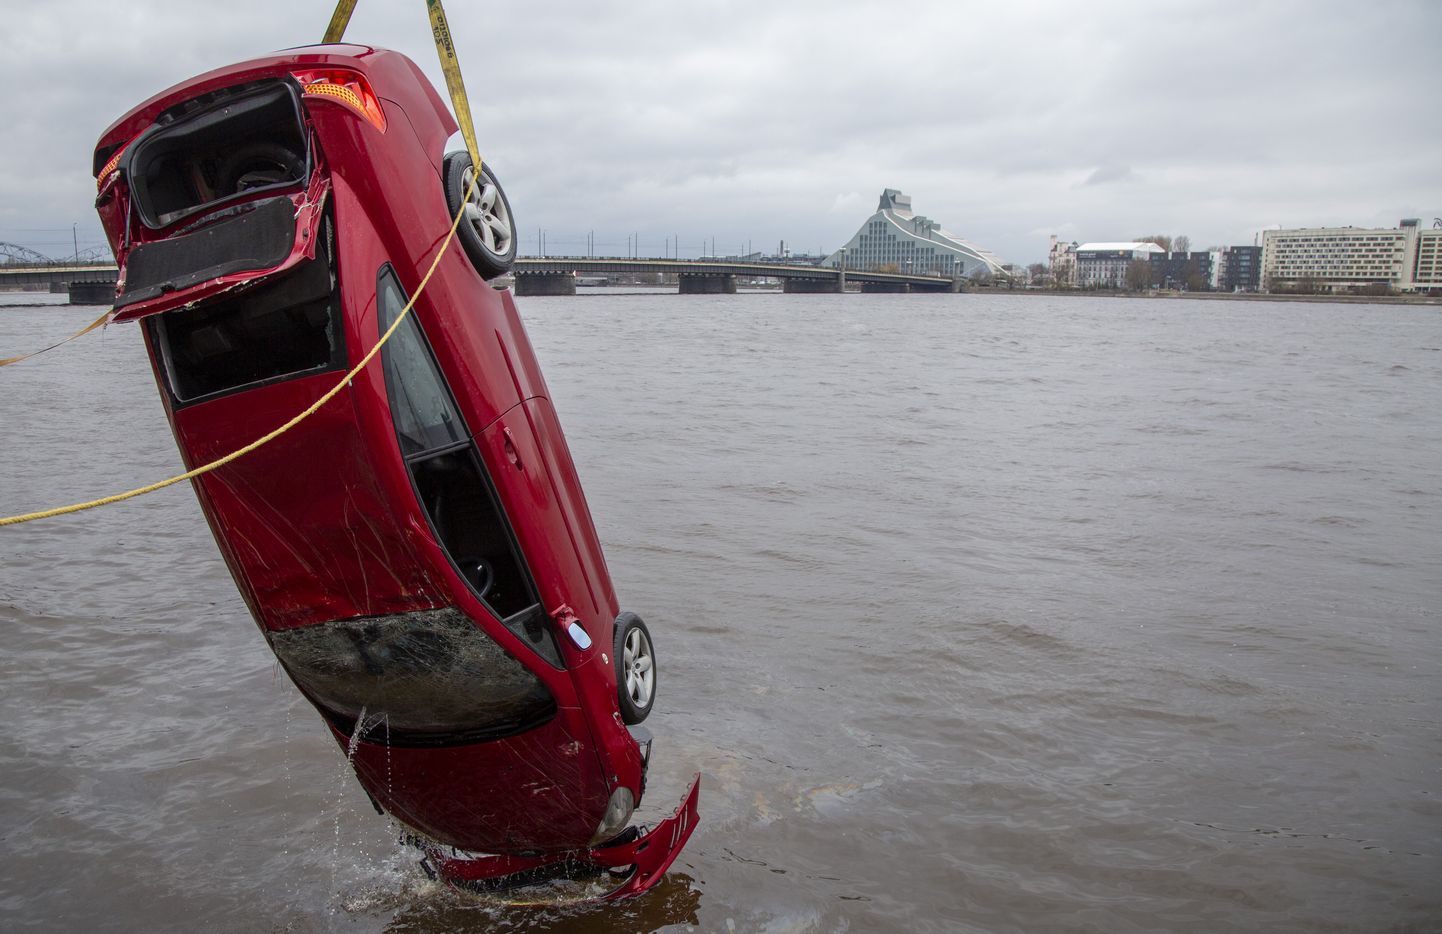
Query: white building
point(1427, 266)
point(1339, 259)
point(1104, 265)
point(893, 237)
point(1061, 261)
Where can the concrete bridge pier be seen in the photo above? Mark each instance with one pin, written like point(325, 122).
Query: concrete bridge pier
point(707, 284)
point(91, 293)
point(954, 285)
point(545, 283)
point(827, 286)
point(890, 288)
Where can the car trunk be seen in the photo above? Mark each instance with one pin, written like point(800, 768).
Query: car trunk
point(216, 186)
point(221, 147)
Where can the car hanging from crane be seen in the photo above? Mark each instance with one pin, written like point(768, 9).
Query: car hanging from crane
point(419, 555)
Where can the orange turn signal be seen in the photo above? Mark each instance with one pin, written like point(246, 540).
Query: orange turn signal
point(110, 167)
point(346, 87)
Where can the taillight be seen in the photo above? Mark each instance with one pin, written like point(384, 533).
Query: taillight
point(346, 87)
point(110, 166)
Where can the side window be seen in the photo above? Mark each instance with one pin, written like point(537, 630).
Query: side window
point(450, 479)
point(426, 418)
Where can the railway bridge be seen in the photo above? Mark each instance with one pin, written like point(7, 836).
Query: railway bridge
point(556, 275)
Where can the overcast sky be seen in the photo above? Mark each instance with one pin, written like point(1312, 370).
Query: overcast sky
point(754, 122)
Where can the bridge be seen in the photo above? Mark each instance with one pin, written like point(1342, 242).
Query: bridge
point(94, 283)
point(556, 275)
point(87, 283)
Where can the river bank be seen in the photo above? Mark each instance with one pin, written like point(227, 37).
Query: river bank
point(1222, 296)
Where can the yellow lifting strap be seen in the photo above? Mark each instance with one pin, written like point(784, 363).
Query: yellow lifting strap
point(85, 330)
point(450, 65)
point(338, 21)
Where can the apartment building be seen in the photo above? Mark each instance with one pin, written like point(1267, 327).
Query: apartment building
point(1240, 269)
point(1340, 259)
point(1427, 261)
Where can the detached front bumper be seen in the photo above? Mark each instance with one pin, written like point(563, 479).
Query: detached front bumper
point(647, 856)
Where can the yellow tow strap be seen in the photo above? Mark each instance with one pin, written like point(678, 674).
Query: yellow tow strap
point(221, 462)
point(85, 330)
point(338, 21)
point(445, 48)
point(450, 65)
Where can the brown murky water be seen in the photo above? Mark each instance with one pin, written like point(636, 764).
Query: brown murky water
point(978, 613)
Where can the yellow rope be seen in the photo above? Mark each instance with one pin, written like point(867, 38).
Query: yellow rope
point(335, 31)
point(221, 462)
point(85, 330)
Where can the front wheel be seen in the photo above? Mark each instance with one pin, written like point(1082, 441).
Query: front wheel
point(487, 231)
point(635, 668)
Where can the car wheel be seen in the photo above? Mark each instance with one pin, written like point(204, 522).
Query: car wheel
point(487, 232)
point(635, 668)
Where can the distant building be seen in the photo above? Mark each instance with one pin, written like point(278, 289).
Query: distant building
point(1240, 269)
point(783, 258)
point(1339, 259)
point(1104, 265)
point(894, 238)
point(1061, 262)
point(1427, 261)
point(1191, 272)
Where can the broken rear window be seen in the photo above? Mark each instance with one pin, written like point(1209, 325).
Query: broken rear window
point(287, 327)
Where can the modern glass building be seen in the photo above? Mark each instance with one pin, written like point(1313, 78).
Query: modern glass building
point(1241, 269)
point(896, 240)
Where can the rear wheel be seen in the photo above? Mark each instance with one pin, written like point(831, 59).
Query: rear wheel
point(635, 668)
point(487, 231)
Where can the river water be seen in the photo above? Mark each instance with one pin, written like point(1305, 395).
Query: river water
point(976, 613)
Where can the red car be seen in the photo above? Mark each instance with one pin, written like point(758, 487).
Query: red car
point(418, 553)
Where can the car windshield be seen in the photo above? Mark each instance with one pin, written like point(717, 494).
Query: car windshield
point(451, 480)
point(424, 678)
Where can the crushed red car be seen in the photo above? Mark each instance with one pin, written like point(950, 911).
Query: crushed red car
point(419, 553)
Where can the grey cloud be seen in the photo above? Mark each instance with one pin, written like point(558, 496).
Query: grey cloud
point(1109, 173)
point(747, 120)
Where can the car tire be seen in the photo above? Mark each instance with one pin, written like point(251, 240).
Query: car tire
point(635, 668)
point(488, 231)
point(258, 165)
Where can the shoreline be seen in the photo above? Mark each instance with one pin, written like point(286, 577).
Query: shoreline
point(1225, 296)
point(1421, 300)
